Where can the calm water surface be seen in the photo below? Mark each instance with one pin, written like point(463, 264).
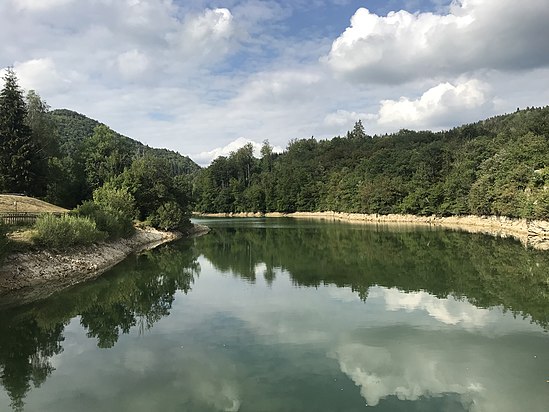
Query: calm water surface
point(283, 315)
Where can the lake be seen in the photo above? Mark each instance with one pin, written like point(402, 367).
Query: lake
point(292, 315)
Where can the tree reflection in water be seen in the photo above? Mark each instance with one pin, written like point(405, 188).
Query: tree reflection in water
point(485, 270)
point(139, 291)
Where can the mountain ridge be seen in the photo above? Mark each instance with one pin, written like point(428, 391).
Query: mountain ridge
point(74, 128)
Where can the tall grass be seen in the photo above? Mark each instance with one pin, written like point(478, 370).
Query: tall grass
point(65, 231)
point(111, 221)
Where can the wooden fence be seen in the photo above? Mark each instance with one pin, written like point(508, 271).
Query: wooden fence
point(22, 218)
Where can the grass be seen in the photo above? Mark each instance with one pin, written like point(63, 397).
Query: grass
point(65, 231)
point(27, 204)
point(20, 238)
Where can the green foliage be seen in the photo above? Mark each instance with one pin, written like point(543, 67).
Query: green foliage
point(493, 167)
point(108, 197)
point(75, 129)
point(42, 125)
point(109, 221)
point(150, 181)
point(92, 154)
point(357, 132)
point(21, 165)
point(44, 137)
point(67, 184)
point(61, 232)
point(64, 157)
point(105, 156)
point(169, 216)
point(112, 210)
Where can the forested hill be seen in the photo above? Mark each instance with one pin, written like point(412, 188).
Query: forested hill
point(74, 128)
point(87, 154)
point(72, 161)
point(499, 166)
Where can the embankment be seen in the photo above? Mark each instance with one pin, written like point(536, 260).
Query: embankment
point(532, 233)
point(33, 275)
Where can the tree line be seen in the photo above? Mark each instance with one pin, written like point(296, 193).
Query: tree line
point(499, 166)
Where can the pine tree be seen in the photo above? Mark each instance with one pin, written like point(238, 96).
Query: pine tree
point(358, 130)
point(18, 152)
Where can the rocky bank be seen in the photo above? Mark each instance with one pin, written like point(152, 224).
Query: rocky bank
point(531, 233)
point(35, 275)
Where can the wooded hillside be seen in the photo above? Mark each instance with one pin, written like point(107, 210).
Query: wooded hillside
point(498, 166)
point(67, 159)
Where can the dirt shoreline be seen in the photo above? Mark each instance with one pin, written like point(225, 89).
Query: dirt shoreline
point(29, 276)
point(531, 233)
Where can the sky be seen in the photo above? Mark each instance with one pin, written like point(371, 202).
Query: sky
point(205, 77)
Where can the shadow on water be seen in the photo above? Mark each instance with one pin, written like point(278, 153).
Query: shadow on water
point(138, 292)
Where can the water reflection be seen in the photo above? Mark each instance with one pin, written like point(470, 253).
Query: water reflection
point(329, 317)
point(446, 310)
point(487, 271)
point(138, 292)
point(413, 364)
point(25, 351)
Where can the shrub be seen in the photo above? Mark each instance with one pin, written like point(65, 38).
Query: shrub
point(65, 231)
point(540, 205)
point(169, 216)
point(109, 198)
point(112, 222)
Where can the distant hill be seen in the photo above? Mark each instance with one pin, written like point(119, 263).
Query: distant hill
point(498, 166)
point(73, 128)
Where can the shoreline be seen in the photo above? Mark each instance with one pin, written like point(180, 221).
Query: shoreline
point(531, 233)
point(29, 276)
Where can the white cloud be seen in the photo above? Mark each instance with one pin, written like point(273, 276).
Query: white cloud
point(215, 23)
point(205, 158)
point(445, 105)
point(284, 86)
point(438, 106)
point(475, 34)
point(39, 5)
point(205, 37)
point(217, 74)
point(344, 119)
point(41, 75)
point(132, 63)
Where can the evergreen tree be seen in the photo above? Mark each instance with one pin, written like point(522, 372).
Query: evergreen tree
point(358, 131)
point(18, 152)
